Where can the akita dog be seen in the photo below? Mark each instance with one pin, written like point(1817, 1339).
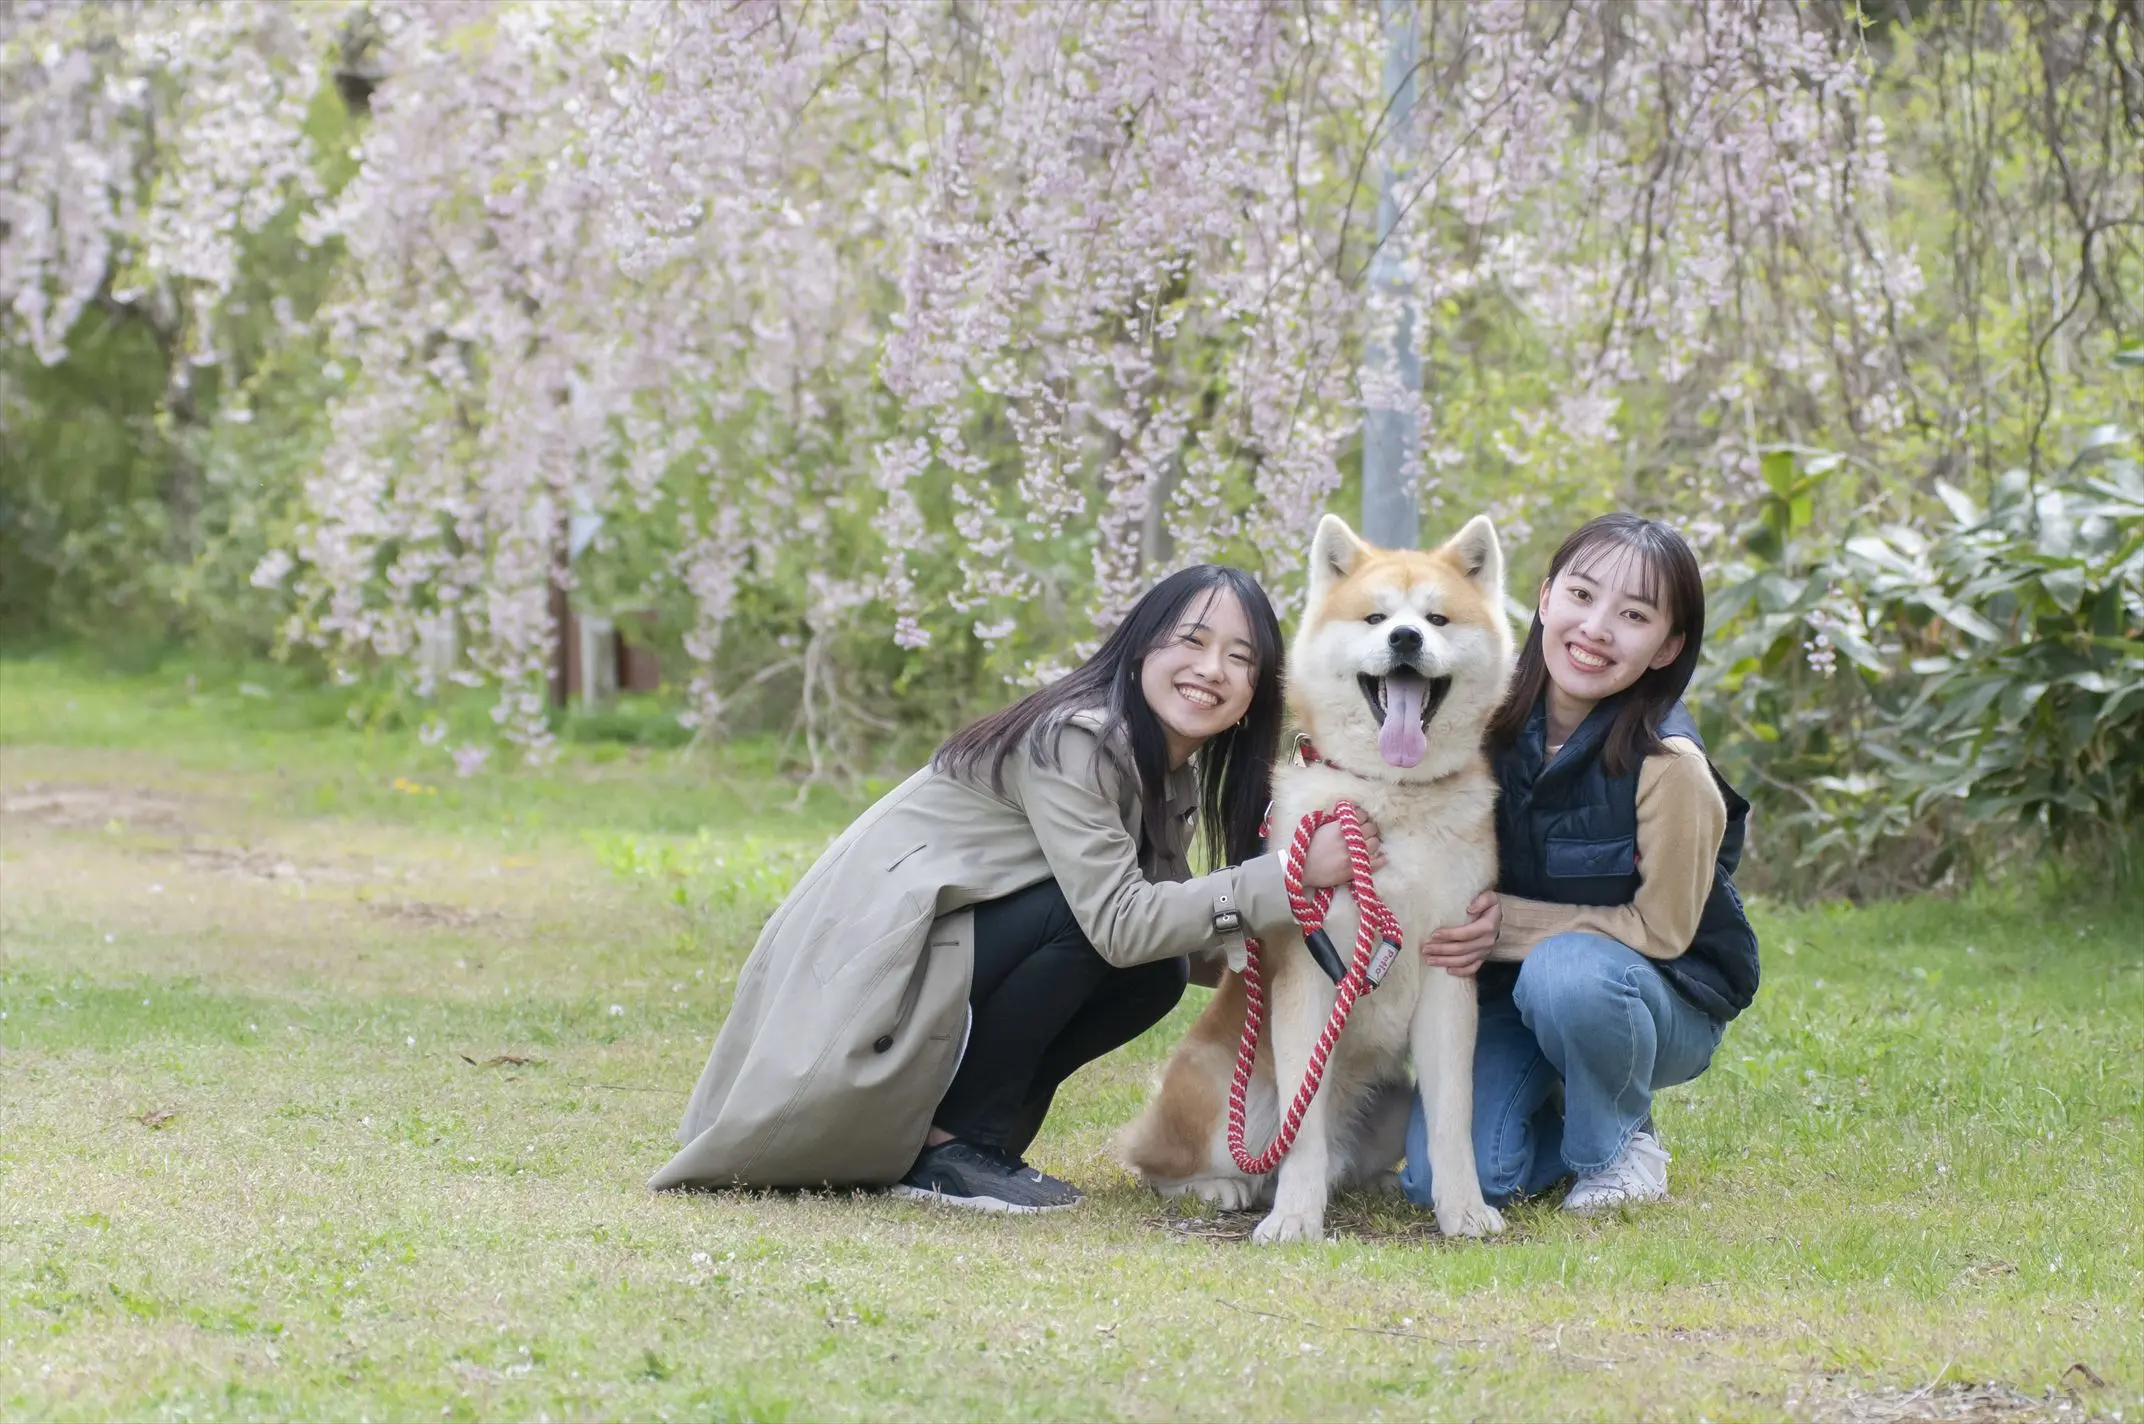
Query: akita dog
point(1401, 659)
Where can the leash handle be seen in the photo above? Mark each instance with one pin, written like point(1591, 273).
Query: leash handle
point(1374, 920)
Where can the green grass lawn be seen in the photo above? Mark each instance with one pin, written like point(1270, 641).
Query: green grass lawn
point(329, 1083)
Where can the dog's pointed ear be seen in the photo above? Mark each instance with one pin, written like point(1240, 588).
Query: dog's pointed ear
point(1477, 552)
point(1334, 553)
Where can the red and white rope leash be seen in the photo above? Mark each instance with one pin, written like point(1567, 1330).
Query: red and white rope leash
point(1377, 944)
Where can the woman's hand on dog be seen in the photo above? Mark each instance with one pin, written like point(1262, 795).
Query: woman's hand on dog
point(1460, 949)
point(1327, 863)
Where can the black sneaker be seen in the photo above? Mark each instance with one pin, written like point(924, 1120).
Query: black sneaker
point(984, 1179)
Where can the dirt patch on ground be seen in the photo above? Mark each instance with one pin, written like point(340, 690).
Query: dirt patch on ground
point(1831, 1402)
point(1382, 1220)
point(92, 807)
point(77, 807)
point(424, 912)
point(249, 864)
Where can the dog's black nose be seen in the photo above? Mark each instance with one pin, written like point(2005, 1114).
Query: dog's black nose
point(1405, 640)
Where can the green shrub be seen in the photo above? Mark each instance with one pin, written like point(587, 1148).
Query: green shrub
point(1908, 706)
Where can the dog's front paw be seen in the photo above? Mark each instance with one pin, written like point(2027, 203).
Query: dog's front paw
point(1227, 1193)
point(1471, 1218)
point(1289, 1226)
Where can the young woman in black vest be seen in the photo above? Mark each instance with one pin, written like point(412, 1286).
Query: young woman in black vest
point(1614, 950)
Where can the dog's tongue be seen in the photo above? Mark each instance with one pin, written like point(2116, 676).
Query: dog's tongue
point(1401, 741)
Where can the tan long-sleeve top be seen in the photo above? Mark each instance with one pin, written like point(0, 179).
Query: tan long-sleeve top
point(1681, 820)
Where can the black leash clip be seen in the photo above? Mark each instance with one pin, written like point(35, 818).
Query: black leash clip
point(1321, 949)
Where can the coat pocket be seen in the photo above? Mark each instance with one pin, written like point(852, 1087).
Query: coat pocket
point(833, 962)
point(889, 1006)
point(1572, 859)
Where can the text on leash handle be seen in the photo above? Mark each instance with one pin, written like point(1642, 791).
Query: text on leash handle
point(1380, 962)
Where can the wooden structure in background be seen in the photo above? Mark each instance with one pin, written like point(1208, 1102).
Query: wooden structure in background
point(594, 661)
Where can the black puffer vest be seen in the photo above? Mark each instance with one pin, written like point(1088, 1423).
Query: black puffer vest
point(1567, 832)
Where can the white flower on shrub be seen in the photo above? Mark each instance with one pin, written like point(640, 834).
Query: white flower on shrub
point(274, 565)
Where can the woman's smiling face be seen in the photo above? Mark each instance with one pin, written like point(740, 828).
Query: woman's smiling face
point(1603, 627)
point(1199, 680)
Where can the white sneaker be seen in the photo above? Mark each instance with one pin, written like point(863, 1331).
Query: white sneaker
point(1638, 1174)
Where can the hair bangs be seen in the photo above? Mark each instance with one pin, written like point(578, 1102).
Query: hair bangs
point(1188, 620)
point(1628, 560)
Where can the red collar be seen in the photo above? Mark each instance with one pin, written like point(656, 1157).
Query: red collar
point(1306, 754)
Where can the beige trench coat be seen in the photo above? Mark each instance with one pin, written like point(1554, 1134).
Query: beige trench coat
point(850, 1014)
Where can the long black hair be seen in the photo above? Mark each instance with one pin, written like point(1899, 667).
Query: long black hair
point(1235, 766)
point(1673, 583)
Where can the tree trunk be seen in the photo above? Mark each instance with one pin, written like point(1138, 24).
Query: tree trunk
point(1391, 433)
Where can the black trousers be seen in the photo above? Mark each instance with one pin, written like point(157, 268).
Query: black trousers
point(1044, 1003)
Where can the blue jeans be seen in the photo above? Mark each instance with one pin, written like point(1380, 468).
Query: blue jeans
point(1593, 1014)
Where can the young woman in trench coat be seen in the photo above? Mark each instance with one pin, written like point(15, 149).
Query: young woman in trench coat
point(1019, 907)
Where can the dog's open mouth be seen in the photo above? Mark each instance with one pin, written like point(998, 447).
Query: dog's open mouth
point(1403, 702)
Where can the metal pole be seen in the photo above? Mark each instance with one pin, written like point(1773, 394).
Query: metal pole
point(1391, 438)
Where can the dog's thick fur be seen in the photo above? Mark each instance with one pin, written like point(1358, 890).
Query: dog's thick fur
point(1371, 614)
